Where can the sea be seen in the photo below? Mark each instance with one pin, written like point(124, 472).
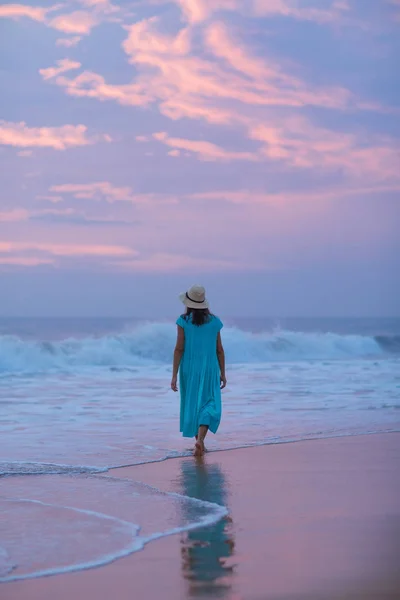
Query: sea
point(79, 397)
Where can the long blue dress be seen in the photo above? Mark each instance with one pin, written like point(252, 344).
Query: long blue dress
point(199, 376)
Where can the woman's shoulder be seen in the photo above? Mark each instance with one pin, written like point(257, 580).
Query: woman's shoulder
point(217, 321)
point(181, 321)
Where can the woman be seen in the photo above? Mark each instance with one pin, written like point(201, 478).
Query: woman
point(199, 357)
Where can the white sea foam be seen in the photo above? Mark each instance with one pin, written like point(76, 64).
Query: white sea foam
point(105, 537)
point(130, 528)
point(153, 343)
point(6, 564)
point(18, 467)
point(97, 418)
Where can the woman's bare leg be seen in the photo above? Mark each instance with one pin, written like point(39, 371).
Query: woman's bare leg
point(199, 447)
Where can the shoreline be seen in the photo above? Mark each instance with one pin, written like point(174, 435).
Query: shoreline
point(257, 445)
point(68, 469)
point(260, 481)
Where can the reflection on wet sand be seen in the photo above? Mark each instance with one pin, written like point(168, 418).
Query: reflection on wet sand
point(206, 552)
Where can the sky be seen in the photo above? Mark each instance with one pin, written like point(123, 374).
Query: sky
point(251, 146)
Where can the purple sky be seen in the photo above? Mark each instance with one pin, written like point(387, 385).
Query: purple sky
point(249, 145)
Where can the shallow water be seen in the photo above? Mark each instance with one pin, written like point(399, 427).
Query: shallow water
point(59, 523)
point(101, 418)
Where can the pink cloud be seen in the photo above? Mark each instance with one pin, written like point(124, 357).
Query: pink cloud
point(99, 190)
point(160, 136)
point(60, 216)
point(10, 216)
point(68, 249)
point(22, 214)
point(69, 42)
point(104, 7)
point(204, 150)
point(104, 191)
point(25, 261)
point(16, 11)
point(252, 197)
point(63, 65)
point(79, 22)
point(179, 107)
point(306, 12)
point(297, 141)
point(228, 84)
point(167, 263)
point(184, 85)
point(59, 138)
point(269, 84)
point(177, 79)
point(219, 41)
point(99, 4)
point(198, 11)
point(195, 11)
point(144, 37)
point(53, 199)
point(92, 85)
point(189, 86)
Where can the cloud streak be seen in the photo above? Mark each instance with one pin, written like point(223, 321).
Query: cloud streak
point(17, 11)
point(183, 84)
point(69, 42)
point(68, 250)
point(196, 12)
point(61, 216)
point(298, 142)
point(58, 138)
point(99, 190)
point(203, 150)
point(78, 22)
point(248, 197)
point(63, 66)
point(302, 10)
point(25, 261)
point(165, 262)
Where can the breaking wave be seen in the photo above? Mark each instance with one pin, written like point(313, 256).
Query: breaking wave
point(153, 343)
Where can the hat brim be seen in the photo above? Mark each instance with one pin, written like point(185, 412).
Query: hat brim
point(185, 300)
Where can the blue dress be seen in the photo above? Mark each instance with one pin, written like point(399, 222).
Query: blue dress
point(199, 376)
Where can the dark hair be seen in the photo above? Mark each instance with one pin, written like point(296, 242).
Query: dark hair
point(199, 315)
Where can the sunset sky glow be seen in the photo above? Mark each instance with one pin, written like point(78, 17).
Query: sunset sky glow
point(250, 145)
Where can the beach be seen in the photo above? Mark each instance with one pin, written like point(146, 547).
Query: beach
point(200, 234)
point(312, 519)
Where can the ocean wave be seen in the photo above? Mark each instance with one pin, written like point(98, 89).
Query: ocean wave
point(153, 343)
point(389, 343)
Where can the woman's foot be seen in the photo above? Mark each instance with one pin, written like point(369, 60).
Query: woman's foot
point(204, 447)
point(199, 448)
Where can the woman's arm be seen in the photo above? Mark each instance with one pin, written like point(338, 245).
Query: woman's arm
point(221, 360)
point(179, 347)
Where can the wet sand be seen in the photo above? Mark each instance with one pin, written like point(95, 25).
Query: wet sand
point(309, 520)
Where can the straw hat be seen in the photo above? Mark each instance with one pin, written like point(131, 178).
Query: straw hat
point(195, 297)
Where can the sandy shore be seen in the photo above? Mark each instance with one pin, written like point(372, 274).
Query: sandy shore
point(309, 520)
